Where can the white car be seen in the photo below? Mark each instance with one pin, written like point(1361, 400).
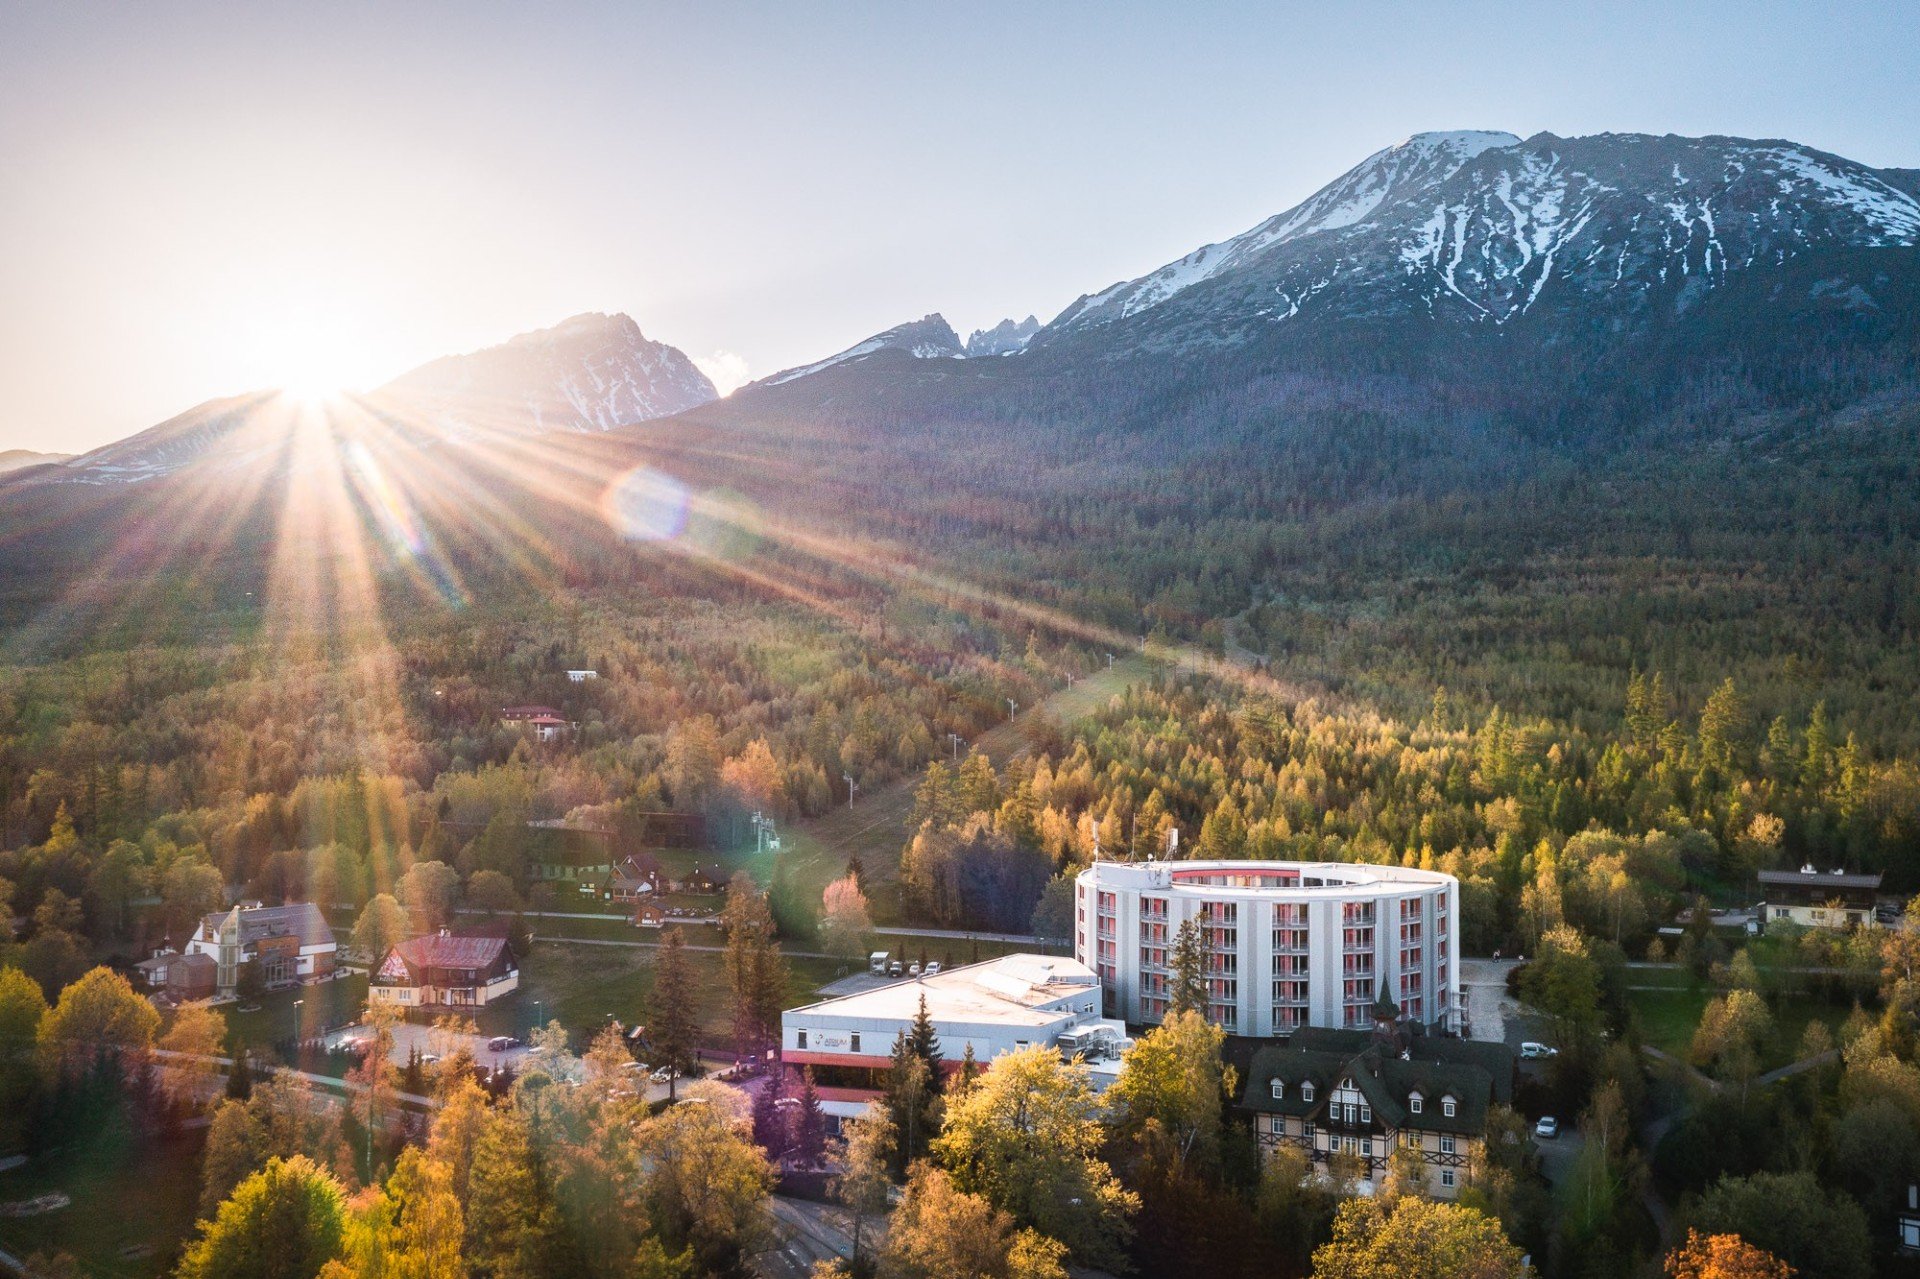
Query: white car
point(664, 1074)
point(1548, 1128)
point(1532, 1052)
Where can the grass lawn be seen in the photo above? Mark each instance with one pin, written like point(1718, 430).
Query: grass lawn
point(580, 985)
point(1668, 1020)
point(132, 1210)
point(322, 1006)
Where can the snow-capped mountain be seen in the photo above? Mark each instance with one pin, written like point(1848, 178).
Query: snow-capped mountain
point(1004, 338)
point(593, 372)
point(927, 338)
point(1605, 232)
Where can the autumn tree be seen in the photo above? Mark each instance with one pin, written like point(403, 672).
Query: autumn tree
point(706, 1184)
point(756, 974)
point(865, 1180)
point(413, 1228)
point(1723, 1257)
point(1167, 1103)
point(236, 1146)
point(1820, 1233)
point(428, 891)
point(844, 922)
point(942, 1232)
point(1027, 1138)
point(283, 1222)
point(1731, 1034)
point(99, 1013)
point(1414, 1239)
point(197, 1036)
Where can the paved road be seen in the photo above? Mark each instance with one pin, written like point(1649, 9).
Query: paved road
point(807, 1232)
point(1490, 1009)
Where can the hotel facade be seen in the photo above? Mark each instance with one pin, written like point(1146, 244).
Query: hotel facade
point(1286, 945)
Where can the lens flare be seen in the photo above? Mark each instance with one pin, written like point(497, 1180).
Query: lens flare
point(644, 505)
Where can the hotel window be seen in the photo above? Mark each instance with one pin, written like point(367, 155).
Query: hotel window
point(1411, 1140)
point(1446, 1145)
point(1306, 1092)
point(854, 1042)
point(1307, 1129)
point(1279, 1089)
point(1446, 1178)
point(1366, 1147)
point(1413, 1105)
point(1446, 1107)
point(1350, 1109)
point(1366, 1113)
point(799, 1039)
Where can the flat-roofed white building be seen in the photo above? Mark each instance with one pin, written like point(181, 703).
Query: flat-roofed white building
point(1286, 944)
point(993, 1007)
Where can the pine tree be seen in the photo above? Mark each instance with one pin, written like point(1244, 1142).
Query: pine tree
point(923, 1041)
point(1187, 983)
point(771, 1132)
point(670, 1021)
point(969, 1072)
point(910, 1100)
point(809, 1126)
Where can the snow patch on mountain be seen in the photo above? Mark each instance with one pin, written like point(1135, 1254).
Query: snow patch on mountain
point(1486, 228)
point(1005, 338)
point(927, 338)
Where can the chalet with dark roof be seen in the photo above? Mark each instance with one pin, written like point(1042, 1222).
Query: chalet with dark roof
point(1367, 1094)
point(1818, 899)
point(445, 970)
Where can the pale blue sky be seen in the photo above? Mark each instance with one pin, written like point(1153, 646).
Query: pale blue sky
point(197, 199)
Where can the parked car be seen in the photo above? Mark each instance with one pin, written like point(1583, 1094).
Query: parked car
point(638, 1067)
point(913, 969)
point(933, 966)
point(896, 969)
point(501, 1043)
point(1532, 1051)
point(1548, 1128)
point(664, 1074)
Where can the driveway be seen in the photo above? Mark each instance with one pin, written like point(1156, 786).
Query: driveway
point(1491, 1011)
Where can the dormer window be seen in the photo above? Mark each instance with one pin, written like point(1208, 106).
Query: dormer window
point(1413, 1104)
point(1279, 1089)
point(1447, 1107)
point(1306, 1092)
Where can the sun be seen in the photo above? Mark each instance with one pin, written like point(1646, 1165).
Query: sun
point(312, 354)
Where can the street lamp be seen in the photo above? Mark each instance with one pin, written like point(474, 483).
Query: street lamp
point(1012, 707)
point(296, 1024)
point(852, 787)
point(955, 739)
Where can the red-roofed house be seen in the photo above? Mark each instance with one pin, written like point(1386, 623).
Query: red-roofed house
point(441, 970)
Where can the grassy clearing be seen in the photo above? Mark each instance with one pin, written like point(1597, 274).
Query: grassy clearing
point(132, 1208)
point(1668, 1020)
point(874, 829)
point(582, 985)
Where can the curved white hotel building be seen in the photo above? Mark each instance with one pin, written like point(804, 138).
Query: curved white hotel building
point(1287, 944)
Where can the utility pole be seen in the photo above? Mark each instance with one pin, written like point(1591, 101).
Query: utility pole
point(955, 739)
point(1012, 708)
point(852, 786)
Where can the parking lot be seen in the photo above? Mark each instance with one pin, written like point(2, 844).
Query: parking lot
point(433, 1043)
